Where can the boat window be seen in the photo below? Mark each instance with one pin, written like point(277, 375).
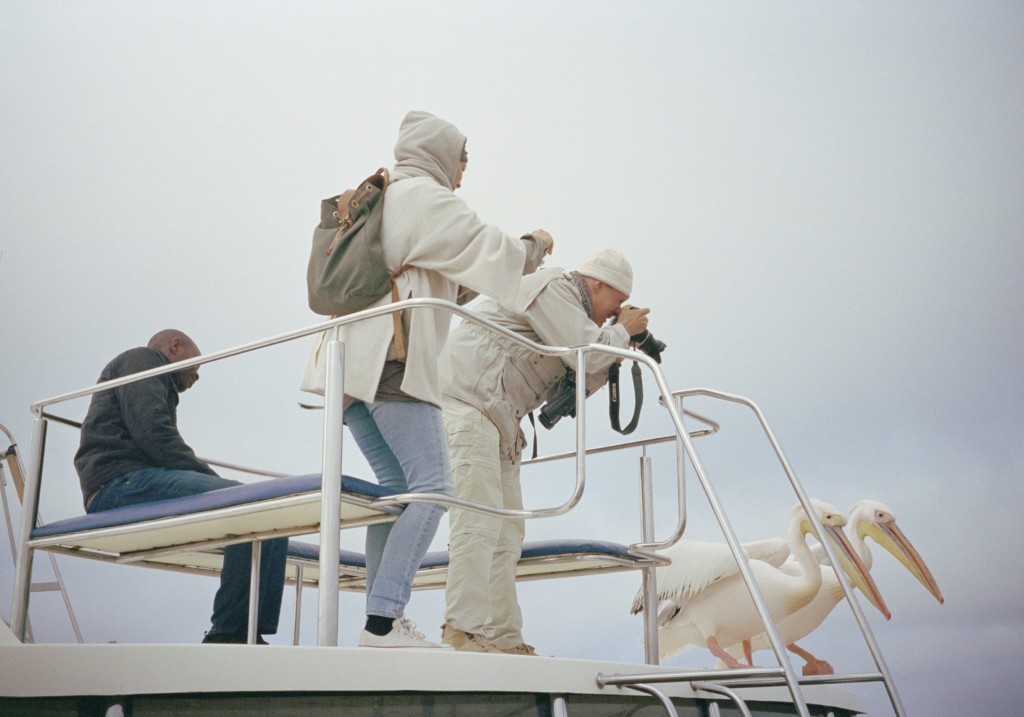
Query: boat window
point(472, 704)
point(642, 706)
point(288, 705)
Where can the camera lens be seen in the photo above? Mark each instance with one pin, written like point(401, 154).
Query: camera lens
point(649, 345)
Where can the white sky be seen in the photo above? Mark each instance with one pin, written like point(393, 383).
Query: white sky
point(822, 203)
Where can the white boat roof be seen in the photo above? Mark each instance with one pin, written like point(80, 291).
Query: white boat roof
point(47, 670)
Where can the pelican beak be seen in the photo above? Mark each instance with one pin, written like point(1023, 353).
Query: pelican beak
point(854, 568)
point(890, 537)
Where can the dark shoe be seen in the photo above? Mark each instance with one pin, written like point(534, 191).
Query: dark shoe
point(232, 638)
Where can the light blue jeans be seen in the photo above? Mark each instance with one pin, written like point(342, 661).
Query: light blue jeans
point(231, 603)
point(405, 445)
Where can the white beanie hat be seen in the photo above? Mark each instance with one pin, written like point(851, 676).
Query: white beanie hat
point(610, 267)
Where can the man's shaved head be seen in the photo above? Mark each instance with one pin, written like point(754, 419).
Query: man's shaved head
point(177, 346)
point(162, 340)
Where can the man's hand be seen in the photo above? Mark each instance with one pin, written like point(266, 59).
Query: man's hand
point(633, 319)
point(549, 243)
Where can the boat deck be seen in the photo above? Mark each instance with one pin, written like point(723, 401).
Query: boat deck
point(285, 680)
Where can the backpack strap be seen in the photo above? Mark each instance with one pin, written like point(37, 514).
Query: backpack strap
point(351, 199)
point(397, 316)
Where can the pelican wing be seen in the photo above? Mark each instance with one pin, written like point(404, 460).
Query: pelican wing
point(697, 564)
point(773, 551)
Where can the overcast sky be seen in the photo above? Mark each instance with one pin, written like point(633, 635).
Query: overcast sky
point(822, 203)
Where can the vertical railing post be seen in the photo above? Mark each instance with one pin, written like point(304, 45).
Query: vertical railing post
point(297, 626)
point(650, 580)
point(330, 496)
point(29, 514)
point(7, 514)
point(254, 592)
point(681, 469)
point(581, 420)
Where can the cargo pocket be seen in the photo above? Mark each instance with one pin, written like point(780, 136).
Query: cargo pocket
point(469, 445)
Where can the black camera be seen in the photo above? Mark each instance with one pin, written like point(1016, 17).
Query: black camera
point(564, 404)
point(646, 342)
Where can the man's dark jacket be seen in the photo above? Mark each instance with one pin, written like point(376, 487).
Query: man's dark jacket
point(133, 426)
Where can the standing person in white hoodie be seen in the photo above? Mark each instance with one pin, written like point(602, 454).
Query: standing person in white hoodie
point(392, 406)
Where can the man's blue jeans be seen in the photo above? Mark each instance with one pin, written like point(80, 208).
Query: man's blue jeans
point(405, 445)
point(231, 604)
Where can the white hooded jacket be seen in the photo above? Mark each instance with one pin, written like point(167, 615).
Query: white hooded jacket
point(426, 227)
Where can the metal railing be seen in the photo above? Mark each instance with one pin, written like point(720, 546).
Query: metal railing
point(328, 603)
point(883, 675)
point(17, 475)
point(331, 459)
point(722, 681)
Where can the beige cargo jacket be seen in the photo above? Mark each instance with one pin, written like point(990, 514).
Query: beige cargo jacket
point(505, 381)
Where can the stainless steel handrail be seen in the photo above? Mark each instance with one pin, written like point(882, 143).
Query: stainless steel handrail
point(806, 680)
point(672, 405)
point(721, 690)
point(332, 429)
point(212, 461)
point(38, 407)
point(681, 433)
point(11, 457)
point(670, 709)
point(805, 501)
point(620, 680)
point(332, 469)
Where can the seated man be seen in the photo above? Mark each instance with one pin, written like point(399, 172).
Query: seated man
point(489, 383)
point(131, 452)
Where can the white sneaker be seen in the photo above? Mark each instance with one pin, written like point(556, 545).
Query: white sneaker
point(403, 634)
point(410, 627)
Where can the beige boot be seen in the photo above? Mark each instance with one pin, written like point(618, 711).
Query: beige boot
point(465, 641)
point(521, 649)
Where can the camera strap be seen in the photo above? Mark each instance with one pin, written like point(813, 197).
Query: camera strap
point(534, 424)
point(613, 397)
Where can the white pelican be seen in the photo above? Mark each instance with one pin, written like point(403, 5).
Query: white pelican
point(868, 518)
point(706, 602)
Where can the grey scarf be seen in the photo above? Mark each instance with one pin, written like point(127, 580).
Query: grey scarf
point(581, 285)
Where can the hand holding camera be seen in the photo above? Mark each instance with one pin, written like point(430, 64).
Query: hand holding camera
point(634, 320)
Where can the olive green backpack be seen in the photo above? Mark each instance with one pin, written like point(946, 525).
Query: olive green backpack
point(346, 271)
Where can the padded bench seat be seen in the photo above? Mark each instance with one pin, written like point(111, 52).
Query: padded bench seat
point(174, 534)
point(290, 505)
point(539, 560)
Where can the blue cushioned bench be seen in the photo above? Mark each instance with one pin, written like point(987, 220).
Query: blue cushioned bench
point(184, 532)
point(540, 560)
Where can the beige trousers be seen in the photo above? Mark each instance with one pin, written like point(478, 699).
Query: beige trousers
point(480, 596)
